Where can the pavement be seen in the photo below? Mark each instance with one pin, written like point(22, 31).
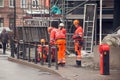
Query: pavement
point(70, 71)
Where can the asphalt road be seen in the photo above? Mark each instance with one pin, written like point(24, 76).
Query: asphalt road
point(14, 71)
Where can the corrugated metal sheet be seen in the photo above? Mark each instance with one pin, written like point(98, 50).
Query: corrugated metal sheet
point(32, 34)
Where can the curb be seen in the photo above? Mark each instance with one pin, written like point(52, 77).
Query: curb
point(30, 64)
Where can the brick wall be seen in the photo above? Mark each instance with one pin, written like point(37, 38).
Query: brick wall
point(6, 12)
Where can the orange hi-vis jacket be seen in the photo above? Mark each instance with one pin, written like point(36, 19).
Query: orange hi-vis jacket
point(56, 34)
point(52, 35)
point(79, 31)
point(39, 49)
point(78, 34)
point(59, 35)
point(64, 31)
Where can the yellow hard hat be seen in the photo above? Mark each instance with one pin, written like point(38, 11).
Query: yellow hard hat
point(49, 29)
point(42, 40)
point(76, 22)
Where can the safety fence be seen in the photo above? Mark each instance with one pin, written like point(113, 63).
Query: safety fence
point(35, 52)
point(28, 46)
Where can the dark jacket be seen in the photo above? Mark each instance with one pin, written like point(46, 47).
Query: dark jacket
point(4, 36)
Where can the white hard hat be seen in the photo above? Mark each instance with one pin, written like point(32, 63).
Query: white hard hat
point(61, 24)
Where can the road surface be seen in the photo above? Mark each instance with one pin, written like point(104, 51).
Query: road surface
point(14, 71)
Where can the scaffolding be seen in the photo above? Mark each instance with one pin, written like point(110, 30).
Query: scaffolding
point(41, 16)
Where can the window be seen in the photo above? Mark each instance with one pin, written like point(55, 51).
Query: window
point(35, 3)
point(11, 23)
point(11, 3)
point(1, 3)
point(1, 22)
point(23, 4)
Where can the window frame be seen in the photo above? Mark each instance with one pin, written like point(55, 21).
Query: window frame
point(25, 3)
point(35, 4)
point(2, 4)
point(11, 6)
point(1, 21)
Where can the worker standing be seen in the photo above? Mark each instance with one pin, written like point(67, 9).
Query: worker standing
point(52, 33)
point(57, 37)
point(78, 40)
point(61, 43)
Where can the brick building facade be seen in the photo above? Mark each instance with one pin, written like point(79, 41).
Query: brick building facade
point(7, 11)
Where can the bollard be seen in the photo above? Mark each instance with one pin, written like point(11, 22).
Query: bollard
point(29, 53)
point(18, 51)
point(104, 59)
point(42, 60)
point(12, 47)
point(36, 52)
point(49, 56)
point(22, 45)
point(24, 51)
point(56, 57)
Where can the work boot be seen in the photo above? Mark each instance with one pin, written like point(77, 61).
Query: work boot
point(62, 64)
point(78, 63)
point(59, 64)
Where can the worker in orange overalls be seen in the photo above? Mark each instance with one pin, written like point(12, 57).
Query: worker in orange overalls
point(78, 40)
point(61, 43)
point(58, 38)
point(52, 31)
point(41, 47)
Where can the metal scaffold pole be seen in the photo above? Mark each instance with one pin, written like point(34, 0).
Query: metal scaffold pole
point(100, 19)
point(63, 11)
point(14, 19)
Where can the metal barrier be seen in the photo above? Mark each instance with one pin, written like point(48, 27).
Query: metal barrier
point(29, 52)
point(26, 47)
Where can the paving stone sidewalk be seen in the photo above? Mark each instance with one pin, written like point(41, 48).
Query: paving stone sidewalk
point(71, 72)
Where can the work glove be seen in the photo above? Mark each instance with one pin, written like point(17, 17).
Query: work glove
point(76, 53)
point(76, 37)
point(51, 42)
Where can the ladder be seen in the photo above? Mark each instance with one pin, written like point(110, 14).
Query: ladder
point(88, 26)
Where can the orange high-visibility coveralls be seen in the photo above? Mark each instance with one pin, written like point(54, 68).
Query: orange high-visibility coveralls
point(61, 44)
point(52, 36)
point(58, 37)
point(39, 49)
point(78, 33)
point(64, 31)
